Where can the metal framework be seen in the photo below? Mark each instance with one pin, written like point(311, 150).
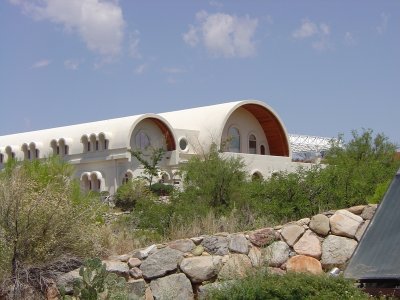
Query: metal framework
point(308, 143)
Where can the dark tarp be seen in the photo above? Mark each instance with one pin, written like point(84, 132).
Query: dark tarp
point(377, 256)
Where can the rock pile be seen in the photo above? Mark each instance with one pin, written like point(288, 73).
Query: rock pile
point(184, 268)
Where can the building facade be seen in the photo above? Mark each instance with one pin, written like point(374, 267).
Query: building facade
point(99, 150)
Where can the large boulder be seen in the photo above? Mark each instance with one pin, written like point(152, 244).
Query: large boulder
point(277, 253)
point(160, 263)
point(320, 224)
point(200, 268)
point(302, 264)
point(237, 266)
point(175, 286)
point(345, 223)
point(309, 245)
point(263, 237)
point(184, 245)
point(217, 245)
point(239, 244)
point(336, 251)
point(291, 233)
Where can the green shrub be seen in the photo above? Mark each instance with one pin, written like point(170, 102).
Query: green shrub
point(43, 216)
point(130, 193)
point(214, 178)
point(291, 286)
point(162, 189)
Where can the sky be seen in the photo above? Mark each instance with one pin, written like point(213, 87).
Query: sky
point(325, 67)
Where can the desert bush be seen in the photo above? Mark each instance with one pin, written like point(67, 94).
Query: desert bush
point(213, 178)
point(43, 216)
point(292, 286)
point(130, 193)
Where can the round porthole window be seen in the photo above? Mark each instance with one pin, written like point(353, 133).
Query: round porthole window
point(183, 144)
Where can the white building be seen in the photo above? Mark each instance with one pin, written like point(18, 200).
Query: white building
point(99, 150)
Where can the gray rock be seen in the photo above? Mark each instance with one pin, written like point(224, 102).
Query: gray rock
point(185, 245)
point(368, 212)
point(303, 222)
point(136, 288)
point(345, 223)
point(134, 262)
point(136, 273)
point(277, 253)
point(200, 268)
point(175, 286)
point(309, 245)
point(263, 237)
point(66, 280)
point(291, 233)
point(118, 267)
point(255, 257)
point(357, 210)
point(160, 263)
point(336, 251)
point(142, 254)
point(236, 267)
point(239, 244)
point(217, 245)
point(320, 224)
point(197, 240)
point(361, 230)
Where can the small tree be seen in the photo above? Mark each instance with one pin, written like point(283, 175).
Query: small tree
point(151, 168)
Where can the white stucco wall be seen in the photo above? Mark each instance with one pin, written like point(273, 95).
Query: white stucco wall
point(247, 124)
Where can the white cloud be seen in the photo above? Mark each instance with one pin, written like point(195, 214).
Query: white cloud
point(381, 28)
point(72, 64)
point(223, 34)
point(41, 63)
point(173, 70)
point(320, 34)
point(141, 69)
point(349, 39)
point(98, 22)
point(134, 41)
point(306, 30)
point(192, 36)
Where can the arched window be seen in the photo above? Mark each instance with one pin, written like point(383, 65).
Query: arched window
point(234, 140)
point(142, 141)
point(252, 144)
point(262, 150)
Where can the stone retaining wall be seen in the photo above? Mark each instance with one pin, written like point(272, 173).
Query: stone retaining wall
point(186, 268)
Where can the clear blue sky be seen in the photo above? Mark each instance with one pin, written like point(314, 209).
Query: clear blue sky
point(326, 67)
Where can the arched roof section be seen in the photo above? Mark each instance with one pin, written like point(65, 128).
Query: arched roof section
point(272, 126)
point(162, 124)
point(209, 122)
